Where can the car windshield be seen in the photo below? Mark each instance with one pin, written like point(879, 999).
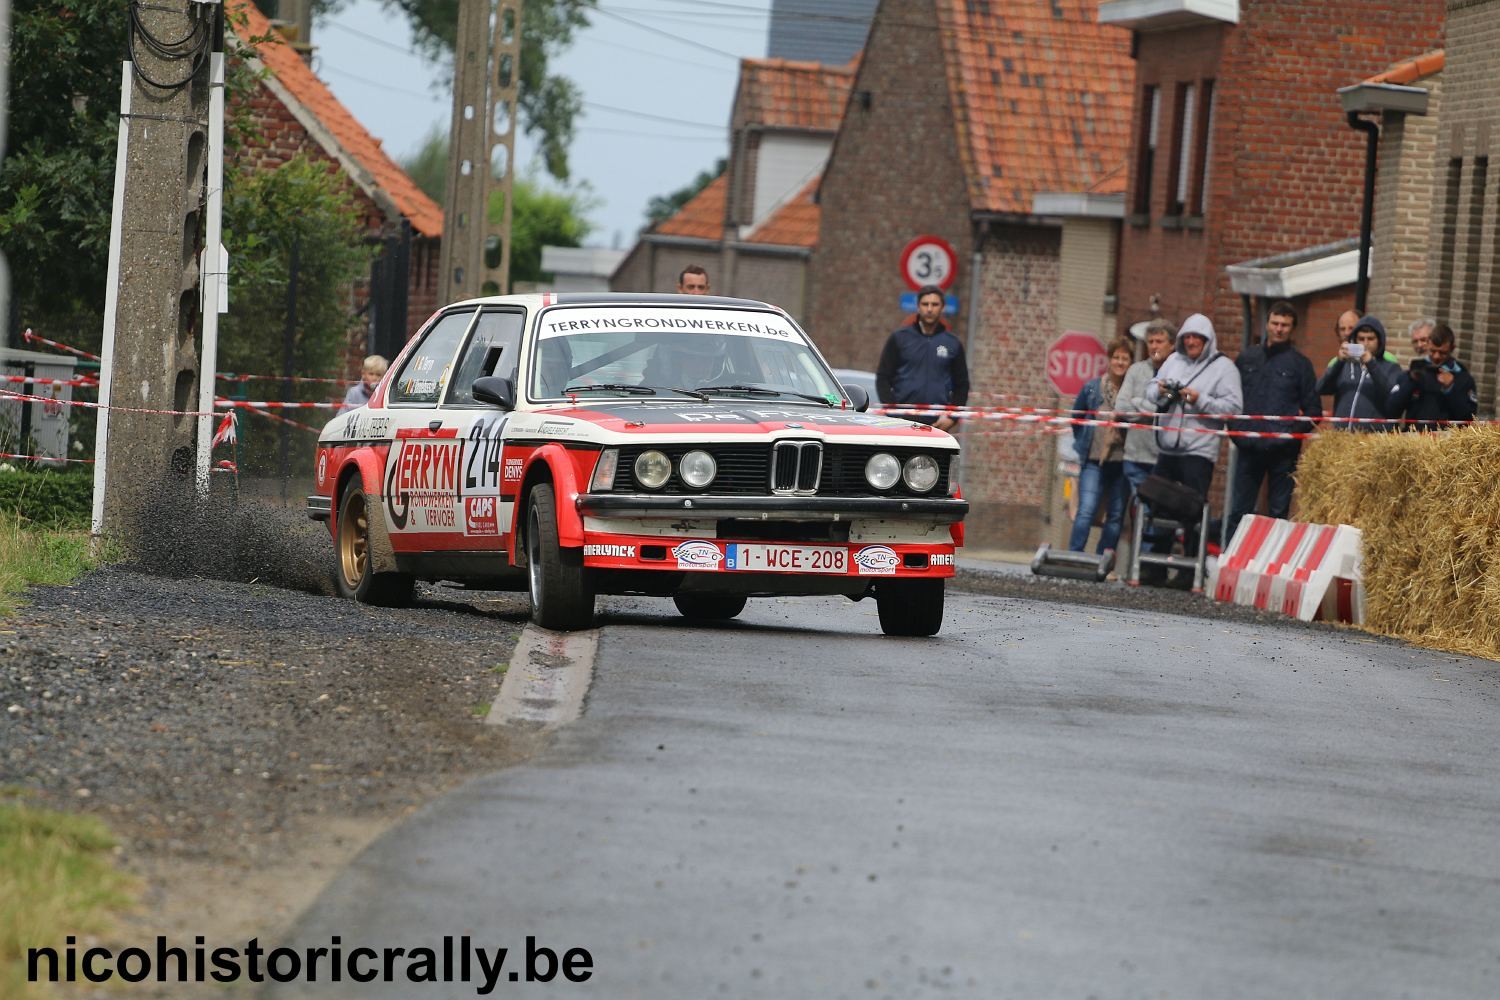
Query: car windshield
point(600, 351)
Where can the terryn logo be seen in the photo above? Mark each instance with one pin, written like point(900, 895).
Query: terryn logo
point(697, 555)
point(880, 559)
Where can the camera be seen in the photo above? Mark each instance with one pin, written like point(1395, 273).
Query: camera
point(1169, 395)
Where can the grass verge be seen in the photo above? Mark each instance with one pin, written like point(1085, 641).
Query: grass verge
point(56, 879)
point(31, 555)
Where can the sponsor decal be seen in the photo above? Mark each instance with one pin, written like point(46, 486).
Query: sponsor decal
point(555, 427)
point(697, 555)
point(613, 551)
point(877, 560)
point(513, 467)
point(480, 516)
point(941, 559)
point(421, 472)
point(322, 468)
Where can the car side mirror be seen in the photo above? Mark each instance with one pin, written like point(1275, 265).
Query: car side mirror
point(495, 391)
point(858, 396)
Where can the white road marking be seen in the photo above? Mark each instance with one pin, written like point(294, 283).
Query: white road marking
point(549, 675)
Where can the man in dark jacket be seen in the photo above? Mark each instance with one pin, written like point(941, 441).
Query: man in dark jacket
point(924, 363)
point(1436, 387)
point(1276, 379)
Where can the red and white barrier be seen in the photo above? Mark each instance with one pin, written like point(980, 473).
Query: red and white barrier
point(1309, 571)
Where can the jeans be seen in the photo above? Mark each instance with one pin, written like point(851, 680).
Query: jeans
point(1136, 473)
point(1252, 465)
point(1099, 483)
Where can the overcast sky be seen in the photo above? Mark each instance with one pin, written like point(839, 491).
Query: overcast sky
point(656, 108)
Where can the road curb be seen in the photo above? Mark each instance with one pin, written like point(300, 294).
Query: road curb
point(549, 675)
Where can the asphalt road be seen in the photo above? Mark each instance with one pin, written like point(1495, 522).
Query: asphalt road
point(1042, 802)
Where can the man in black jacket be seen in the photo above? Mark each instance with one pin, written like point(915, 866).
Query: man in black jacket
point(1436, 387)
point(1277, 380)
point(924, 363)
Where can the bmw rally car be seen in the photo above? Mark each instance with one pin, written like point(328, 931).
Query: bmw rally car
point(684, 446)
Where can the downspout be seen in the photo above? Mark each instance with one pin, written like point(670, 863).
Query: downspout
point(1367, 211)
point(971, 330)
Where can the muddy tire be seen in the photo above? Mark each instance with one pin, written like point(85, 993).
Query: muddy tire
point(710, 607)
point(354, 573)
point(910, 607)
point(561, 595)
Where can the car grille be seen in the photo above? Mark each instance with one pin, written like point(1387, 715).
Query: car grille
point(800, 468)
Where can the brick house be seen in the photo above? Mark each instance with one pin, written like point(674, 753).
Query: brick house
point(1241, 156)
point(753, 228)
point(1463, 287)
point(295, 112)
point(963, 117)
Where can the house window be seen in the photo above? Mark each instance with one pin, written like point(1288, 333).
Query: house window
point(1203, 153)
point(1146, 164)
point(1182, 149)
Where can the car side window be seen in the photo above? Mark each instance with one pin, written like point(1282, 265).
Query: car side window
point(494, 349)
point(426, 372)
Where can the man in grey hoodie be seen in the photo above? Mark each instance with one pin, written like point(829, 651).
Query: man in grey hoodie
point(1194, 388)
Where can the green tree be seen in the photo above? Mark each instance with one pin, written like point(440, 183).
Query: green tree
point(541, 216)
point(664, 206)
point(58, 180)
point(302, 209)
point(548, 103)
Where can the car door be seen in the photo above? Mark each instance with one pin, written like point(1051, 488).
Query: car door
point(421, 486)
point(493, 348)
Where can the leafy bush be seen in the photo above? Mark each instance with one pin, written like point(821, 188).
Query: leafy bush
point(46, 498)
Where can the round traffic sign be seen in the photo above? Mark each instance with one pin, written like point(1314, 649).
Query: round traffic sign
point(929, 260)
point(1073, 359)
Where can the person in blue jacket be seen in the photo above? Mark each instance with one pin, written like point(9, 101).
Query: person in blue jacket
point(1360, 380)
point(924, 363)
point(1101, 453)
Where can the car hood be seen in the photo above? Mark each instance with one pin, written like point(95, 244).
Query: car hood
point(627, 422)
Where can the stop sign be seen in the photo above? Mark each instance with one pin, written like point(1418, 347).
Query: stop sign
point(1073, 359)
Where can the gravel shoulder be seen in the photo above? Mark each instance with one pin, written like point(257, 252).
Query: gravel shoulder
point(243, 740)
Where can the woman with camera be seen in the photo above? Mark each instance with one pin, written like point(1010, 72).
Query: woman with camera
point(1101, 450)
point(1360, 380)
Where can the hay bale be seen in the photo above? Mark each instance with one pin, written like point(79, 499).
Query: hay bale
point(1428, 506)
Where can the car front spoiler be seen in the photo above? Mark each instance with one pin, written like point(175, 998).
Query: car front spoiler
point(934, 510)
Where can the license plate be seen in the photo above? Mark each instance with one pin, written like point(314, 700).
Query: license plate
point(788, 558)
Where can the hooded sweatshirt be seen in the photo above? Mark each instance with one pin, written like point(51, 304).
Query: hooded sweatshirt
point(1216, 380)
point(1361, 390)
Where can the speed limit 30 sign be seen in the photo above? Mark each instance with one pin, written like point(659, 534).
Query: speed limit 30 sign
point(929, 260)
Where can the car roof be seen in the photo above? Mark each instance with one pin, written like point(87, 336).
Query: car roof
point(539, 299)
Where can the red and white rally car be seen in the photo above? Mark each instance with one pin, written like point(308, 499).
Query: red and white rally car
point(685, 446)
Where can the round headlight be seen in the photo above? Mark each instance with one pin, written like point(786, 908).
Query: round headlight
point(882, 471)
point(697, 469)
point(653, 469)
point(921, 473)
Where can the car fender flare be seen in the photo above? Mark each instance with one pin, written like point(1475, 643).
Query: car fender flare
point(366, 464)
point(549, 462)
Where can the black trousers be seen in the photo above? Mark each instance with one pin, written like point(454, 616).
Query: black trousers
point(1256, 465)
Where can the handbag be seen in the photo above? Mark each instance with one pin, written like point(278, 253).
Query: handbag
point(1170, 499)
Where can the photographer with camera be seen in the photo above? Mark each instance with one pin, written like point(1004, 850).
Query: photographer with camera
point(1194, 383)
point(1360, 380)
point(1435, 387)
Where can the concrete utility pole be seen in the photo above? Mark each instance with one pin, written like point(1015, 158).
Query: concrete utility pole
point(151, 333)
point(475, 258)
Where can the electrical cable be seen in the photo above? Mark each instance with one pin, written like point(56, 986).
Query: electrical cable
point(194, 46)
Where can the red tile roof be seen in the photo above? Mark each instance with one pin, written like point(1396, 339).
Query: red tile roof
point(702, 217)
point(1112, 182)
point(795, 222)
point(353, 139)
point(1041, 96)
point(798, 95)
point(1412, 70)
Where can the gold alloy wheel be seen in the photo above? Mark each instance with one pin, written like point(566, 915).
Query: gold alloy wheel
point(354, 541)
